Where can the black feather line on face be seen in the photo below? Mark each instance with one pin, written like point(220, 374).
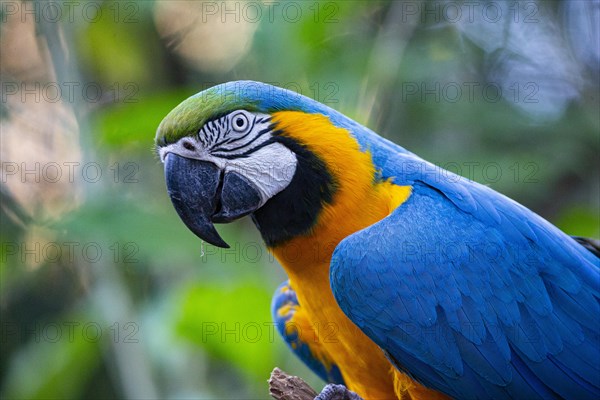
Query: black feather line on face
point(247, 152)
point(261, 133)
point(213, 129)
point(215, 147)
point(295, 210)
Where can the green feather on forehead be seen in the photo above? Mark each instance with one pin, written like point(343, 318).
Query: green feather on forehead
point(190, 115)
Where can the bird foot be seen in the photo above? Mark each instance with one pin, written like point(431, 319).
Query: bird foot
point(337, 392)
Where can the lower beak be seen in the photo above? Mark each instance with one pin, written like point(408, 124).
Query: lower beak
point(202, 194)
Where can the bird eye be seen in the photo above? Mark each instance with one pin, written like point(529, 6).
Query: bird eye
point(240, 122)
point(188, 146)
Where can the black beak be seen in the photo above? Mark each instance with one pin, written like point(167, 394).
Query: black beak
point(202, 195)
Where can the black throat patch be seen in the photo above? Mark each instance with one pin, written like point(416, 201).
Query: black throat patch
point(294, 210)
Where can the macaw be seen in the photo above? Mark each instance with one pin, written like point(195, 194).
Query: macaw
point(405, 280)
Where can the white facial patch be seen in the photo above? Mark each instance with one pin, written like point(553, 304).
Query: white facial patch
point(270, 169)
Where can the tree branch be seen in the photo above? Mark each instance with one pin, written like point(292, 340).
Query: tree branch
point(286, 387)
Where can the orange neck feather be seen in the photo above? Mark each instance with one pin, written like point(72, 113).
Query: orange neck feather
point(359, 200)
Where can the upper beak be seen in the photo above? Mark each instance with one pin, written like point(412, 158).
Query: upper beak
point(202, 194)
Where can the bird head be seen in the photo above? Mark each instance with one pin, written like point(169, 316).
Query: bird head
point(300, 169)
point(226, 155)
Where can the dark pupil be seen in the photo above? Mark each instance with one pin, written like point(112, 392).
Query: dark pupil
point(239, 122)
point(188, 146)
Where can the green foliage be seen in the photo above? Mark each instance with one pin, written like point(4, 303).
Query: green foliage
point(112, 48)
point(231, 323)
point(56, 364)
point(136, 122)
point(580, 221)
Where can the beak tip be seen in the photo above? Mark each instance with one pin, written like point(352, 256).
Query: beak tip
point(208, 233)
point(219, 243)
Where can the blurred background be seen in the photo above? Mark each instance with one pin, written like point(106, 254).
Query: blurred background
point(106, 294)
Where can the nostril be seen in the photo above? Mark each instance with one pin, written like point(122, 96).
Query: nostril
point(188, 146)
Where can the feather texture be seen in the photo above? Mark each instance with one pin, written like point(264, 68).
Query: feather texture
point(476, 304)
point(298, 333)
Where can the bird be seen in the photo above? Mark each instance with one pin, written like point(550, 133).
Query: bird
point(405, 281)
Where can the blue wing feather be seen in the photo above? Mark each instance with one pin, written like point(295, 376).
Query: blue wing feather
point(283, 308)
point(474, 294)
